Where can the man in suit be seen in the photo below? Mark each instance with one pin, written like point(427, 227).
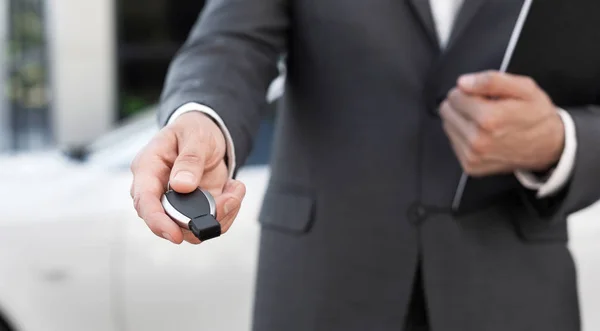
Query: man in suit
point(387, 102)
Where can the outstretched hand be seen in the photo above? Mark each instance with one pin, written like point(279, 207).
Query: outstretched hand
point(187, 154)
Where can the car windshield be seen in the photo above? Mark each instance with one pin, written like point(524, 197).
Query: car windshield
point(117, 148)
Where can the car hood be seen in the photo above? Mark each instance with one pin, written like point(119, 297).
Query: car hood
point(38, 186)
point(43, 187)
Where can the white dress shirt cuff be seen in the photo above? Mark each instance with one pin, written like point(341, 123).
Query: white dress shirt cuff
point(560, 175)
point(192, 106)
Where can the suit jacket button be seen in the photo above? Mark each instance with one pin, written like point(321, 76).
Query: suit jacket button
point(417, 214)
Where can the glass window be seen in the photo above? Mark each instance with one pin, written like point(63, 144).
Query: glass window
point(150, 32)
point(27, 90)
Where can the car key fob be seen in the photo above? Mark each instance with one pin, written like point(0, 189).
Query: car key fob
point(194, 211)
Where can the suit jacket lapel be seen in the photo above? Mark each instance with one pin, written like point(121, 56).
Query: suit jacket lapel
point(422, 11)
point(466, 14)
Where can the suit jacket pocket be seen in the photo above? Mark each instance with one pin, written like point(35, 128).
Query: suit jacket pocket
point(288, 210)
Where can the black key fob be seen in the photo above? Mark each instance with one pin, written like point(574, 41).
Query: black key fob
point(194, 211)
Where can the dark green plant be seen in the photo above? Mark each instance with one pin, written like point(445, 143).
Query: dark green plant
point(133, 104)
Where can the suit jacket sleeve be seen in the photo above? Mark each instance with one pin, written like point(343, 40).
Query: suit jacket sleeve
point(583, 188)
point(227, 64)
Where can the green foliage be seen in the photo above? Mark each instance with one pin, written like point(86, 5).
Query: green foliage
point(132, 104)
point(27, 77)
point(27, 29)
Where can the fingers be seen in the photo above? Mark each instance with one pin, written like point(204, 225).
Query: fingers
point(189, 237)
point(214, 179)
point(457, 129)
point(150, 173)
point(151, 211)
point(473, 163)
point(228, 207)
point(146, 193)
point(185, 154)
point(498, 85)
point(201, 147)
point(189, 166)
point(229, 203)
point(151, 166)
point(471, 145)
point(487, 114)
point(482, 112)
point(462, 126)
point(468, 106)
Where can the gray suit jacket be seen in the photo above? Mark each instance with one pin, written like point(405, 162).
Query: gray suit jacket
point(363, 175)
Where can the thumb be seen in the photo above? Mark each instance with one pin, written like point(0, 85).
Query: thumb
point(496, 84)
point(189, 166)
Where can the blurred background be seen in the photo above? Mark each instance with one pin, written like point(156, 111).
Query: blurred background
point(80, 80)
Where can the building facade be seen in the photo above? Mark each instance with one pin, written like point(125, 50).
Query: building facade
point(72, 68)
point(24, 108)
point(4, 125)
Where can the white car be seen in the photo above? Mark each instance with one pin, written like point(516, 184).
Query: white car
point(74, 256)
